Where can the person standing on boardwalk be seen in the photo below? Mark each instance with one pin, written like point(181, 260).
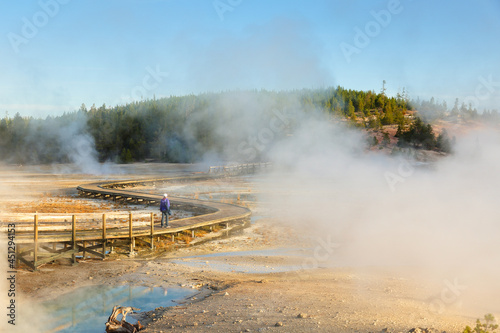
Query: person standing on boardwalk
point(165, 211)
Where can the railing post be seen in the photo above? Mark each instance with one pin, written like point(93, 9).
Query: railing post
point(73, 238)
point(18, 250)
point(103, 236)
point(130, 233)
point(35, 241)
point(152, 230)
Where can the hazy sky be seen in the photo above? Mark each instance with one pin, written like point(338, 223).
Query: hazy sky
point(57, 54)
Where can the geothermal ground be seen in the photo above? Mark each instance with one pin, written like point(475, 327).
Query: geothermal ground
point(266, 278)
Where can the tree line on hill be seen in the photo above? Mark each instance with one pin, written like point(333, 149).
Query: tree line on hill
point(187, 128)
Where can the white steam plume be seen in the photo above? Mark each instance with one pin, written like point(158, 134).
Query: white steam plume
point(79, 147)
point(441, 220)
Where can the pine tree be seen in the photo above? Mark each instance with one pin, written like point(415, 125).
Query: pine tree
point(350, 111)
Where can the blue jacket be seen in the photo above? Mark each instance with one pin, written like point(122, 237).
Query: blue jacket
point(165, 205)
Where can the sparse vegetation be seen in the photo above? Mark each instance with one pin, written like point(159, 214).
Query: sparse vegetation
point(421, 135)
point(56, 204)
point(488, 326)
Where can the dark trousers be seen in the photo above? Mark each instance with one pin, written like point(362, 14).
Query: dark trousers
point(164, 217)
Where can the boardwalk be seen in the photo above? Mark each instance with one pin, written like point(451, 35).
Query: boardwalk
point(43, 242)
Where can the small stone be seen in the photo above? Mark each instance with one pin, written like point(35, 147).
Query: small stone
point(90, 277)
point(226, 294)
point(278, 324)
point(302, 315)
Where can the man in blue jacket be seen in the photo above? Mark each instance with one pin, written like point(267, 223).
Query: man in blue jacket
point(165, 211)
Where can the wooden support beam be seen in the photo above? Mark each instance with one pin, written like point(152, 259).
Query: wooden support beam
point(90, 250)
point(66, 254)
point(27, 263)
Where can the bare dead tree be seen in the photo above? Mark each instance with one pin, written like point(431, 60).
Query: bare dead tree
point(114, 325)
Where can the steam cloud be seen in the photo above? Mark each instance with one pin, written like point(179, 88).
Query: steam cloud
point(26, 313)
point(440, 220)
point(79, 147)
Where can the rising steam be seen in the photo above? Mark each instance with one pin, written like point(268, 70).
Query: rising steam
point(441, 219)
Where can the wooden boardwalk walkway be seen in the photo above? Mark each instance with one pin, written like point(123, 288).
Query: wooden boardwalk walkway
point(43, 244)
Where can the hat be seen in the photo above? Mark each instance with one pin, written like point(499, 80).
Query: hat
point(165, 195)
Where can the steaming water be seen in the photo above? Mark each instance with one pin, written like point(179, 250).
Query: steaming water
point(87, 309)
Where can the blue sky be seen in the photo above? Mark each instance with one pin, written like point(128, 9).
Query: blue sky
point(57, 54)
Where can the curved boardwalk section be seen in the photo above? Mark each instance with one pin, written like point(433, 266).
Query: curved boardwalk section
point(213, 212)
point(43, 245)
